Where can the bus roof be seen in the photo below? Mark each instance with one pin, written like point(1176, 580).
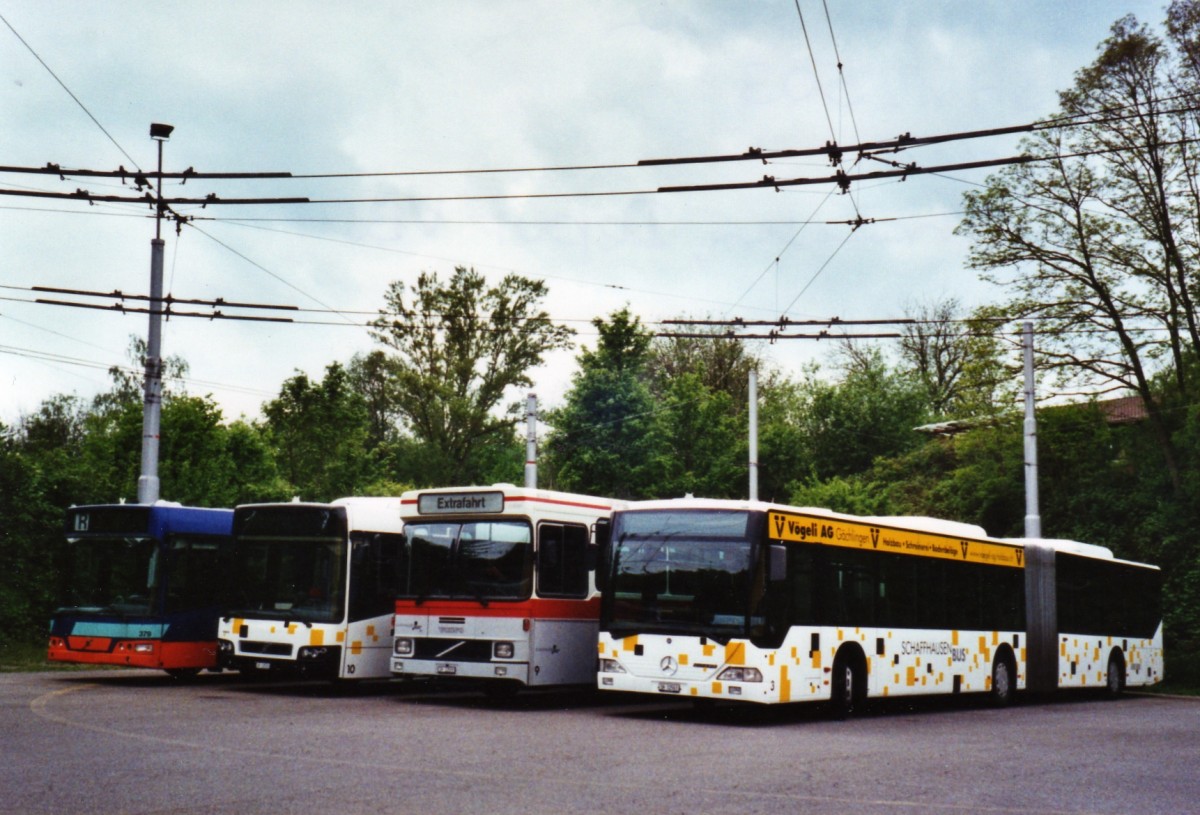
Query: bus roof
point(379, 514)
point(564, 501)
point(919, 523)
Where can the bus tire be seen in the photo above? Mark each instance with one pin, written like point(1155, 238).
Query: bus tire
point(845, 685)
point(183, 674)
point(1114, 681)
point(1004, 681)
point(499, 690)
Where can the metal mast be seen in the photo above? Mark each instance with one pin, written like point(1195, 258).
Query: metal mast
point(152, 405)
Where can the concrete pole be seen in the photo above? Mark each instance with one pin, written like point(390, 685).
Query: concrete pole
point(148, 491)
point(1033, 521)
point(753, 412)
point(531, 441)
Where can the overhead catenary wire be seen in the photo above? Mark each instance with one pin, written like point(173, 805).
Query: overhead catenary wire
point(816, 74)
point(842, 179)
point(784, 322)
point(904, 141)
point(841, 73)
point(46, 356)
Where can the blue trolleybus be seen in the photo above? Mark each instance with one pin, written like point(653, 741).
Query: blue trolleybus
point(141, 586)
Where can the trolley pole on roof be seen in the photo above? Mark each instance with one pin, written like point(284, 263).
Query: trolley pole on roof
point(152, 405)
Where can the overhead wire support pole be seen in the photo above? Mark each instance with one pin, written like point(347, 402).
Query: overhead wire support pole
point(148, 482)
point(1033, 518)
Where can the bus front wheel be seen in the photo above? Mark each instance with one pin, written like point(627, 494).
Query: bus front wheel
point(183, 674)
point(845, 682)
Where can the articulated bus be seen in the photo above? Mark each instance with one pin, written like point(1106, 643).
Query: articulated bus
point(496, 583)
point(313, 589)
point(727, 600)
point(141, 586)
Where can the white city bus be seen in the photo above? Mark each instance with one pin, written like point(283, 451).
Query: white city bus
point(313, 588)
point(497, 584)
point(759, 602)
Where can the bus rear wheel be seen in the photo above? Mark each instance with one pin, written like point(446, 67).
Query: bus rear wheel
point(1003, 682)
point(1114, 682)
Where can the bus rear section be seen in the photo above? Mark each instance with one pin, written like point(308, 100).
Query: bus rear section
point(496, 585)
point(141, 586)
point(314, 588)
point(757, 602)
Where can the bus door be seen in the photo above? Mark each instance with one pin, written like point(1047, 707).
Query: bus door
point(565, 626)
point(368, 633)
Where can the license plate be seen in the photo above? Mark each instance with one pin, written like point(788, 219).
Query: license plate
point(263, 666)
point(669, 687)
point(447, 669)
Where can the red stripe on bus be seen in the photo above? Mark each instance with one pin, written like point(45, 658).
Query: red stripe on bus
point(535, 608)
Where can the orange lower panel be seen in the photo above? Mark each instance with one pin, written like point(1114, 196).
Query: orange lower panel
point(163, 655)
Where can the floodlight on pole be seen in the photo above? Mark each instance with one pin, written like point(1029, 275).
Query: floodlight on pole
point(148, 483)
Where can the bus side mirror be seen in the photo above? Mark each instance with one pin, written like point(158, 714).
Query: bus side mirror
point(776, 563)
point(599, 554)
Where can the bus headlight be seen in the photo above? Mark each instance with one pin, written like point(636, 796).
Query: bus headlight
point(740, 675)
point(611, 666)
point(403, 647)
point(502, 650)
point(143, 648)
point(312, 652)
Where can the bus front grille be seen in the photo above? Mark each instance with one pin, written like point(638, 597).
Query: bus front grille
point(274, 649)
point(453, 650)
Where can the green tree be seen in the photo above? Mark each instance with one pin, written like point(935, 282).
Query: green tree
point(783, 458)
point(27, 536)
point(458, 349)
point(870, 412)
point(721, 363)
point(699, 440)
point(958, 362)
point(601, 439)
point(1099, 236)
point(319, 434)
point(253, 476)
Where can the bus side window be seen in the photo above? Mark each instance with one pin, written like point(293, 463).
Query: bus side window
point(855, 589)
point(562, 560)
point(787, 599)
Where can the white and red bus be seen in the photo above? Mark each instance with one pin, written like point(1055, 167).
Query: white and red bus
point(759, 602)
point(496, 583)
point(311, 589)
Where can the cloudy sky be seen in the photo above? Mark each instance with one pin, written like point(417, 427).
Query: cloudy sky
point(391, 87)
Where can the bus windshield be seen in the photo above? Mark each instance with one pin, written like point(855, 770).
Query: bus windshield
point(112, 575)
point(680, 572)
point(471, 560)
point(301, 579)
point(290, 563)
